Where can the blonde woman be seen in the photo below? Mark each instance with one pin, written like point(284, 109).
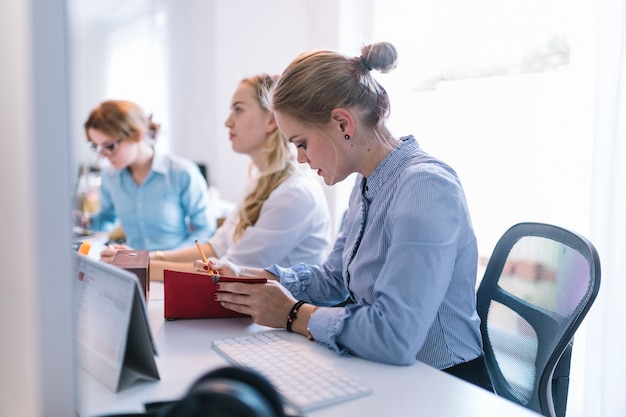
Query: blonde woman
point(284, 218)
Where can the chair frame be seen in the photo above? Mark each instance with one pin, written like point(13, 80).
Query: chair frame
point(543, 399)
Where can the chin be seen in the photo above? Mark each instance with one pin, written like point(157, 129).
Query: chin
point(118, 165)
point(329, 180)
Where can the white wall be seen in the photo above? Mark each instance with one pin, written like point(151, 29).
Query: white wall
point(36, 377)
point(213, 45)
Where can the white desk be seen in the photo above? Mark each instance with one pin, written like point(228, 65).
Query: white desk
point(185, 353)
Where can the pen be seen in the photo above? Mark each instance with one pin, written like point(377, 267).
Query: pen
point(204, 259)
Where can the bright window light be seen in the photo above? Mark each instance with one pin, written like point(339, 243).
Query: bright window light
point(491, 87)
point(137, 68)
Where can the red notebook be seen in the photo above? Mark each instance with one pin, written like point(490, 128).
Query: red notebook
point(189, 295)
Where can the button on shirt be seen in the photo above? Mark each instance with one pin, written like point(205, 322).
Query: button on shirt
point(168, 210)
point(407, 258)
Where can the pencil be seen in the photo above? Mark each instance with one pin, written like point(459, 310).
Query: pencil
point(206, 261)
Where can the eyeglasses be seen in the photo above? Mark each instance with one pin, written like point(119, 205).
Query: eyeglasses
point(110, 147)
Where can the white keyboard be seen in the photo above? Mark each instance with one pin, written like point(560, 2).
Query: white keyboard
point(302, 383)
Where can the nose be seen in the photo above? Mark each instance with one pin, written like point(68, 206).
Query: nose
point(229, 121)
point(301, 156)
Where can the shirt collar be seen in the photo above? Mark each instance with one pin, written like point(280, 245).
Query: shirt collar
point(388, 167)
point(159, 163)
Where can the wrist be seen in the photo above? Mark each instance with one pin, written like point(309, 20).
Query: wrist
point(292, 316)
point(269, 275)
point(300, 320)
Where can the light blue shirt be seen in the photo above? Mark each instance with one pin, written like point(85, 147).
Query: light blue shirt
point(413, 276)
point(168, 210)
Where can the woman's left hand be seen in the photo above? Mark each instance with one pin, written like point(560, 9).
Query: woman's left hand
point(268, 304)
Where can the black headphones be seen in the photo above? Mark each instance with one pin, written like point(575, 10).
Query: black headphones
point(228, 391)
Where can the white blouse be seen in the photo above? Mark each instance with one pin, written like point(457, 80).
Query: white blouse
point(293, 227)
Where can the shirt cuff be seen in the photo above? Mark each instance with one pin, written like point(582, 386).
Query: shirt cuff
point(295, 279)
point(324, 325)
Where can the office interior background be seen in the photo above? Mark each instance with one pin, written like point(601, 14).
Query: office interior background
point(525, 99)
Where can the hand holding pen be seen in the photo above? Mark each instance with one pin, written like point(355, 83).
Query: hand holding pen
point(218, 268)
point(206, 267)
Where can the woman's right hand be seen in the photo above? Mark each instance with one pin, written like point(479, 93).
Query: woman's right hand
point(218, 267)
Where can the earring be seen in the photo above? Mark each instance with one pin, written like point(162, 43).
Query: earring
point(347, 136)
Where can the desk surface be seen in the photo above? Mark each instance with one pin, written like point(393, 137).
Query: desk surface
point(185, 353)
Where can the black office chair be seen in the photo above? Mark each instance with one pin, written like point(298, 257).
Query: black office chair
point(538, 286)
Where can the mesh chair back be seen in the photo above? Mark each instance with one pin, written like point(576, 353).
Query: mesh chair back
point(538, 285)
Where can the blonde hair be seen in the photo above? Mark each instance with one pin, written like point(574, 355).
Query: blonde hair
point(121, 119)
point(280, 161)
point(317, 82)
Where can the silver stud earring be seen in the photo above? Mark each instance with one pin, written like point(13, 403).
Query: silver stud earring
point(347, 136)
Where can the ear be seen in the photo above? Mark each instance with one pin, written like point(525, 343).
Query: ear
point(136, 135)
point(271, 124)
point(343, 121)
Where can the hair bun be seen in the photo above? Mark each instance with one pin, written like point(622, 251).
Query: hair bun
point(381, 56)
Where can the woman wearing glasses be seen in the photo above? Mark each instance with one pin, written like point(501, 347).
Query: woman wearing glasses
point(160, 200)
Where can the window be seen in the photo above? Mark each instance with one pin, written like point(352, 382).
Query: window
point(137, 66)
point(492, 87)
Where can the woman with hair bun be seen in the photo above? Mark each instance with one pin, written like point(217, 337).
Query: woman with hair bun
point(399, 283)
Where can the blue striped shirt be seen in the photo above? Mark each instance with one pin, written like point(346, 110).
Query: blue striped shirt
point(411, 278)
point(169, 210)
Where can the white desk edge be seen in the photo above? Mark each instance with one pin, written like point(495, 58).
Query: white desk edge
point(185, 353)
